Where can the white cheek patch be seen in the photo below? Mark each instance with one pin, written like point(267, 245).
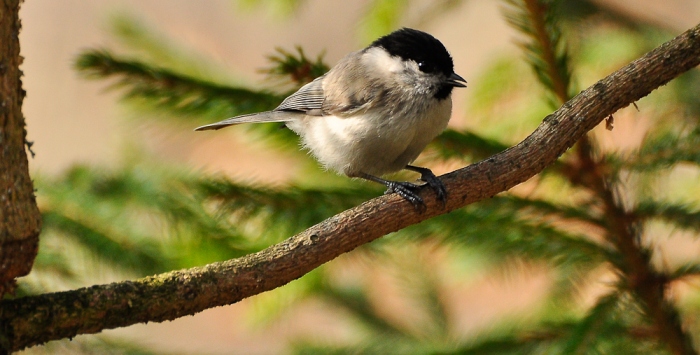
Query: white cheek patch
point(379, 58)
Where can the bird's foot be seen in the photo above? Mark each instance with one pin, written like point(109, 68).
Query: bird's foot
point(408, 191)
point(433, 181)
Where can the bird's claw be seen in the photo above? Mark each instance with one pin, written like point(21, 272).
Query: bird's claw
point(435, 184)
point(433, 181)
point(407, 190)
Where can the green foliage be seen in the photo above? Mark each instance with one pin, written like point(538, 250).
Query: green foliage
point(452, 144)
point(298, 68)
point(167, 90)
point(679, 215)
point(280, 8)
point(663, 150)
point(101, 345)
point(543, 47)
point(500, 229)
point(277, 211)
point(144, 217)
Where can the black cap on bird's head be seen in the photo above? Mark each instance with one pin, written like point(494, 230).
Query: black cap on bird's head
point(427, 51)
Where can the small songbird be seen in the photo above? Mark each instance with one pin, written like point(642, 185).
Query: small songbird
point(375, 111)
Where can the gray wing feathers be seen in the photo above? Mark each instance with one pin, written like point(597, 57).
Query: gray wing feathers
point(261, 117)
point(309, 98)
point(348, 95)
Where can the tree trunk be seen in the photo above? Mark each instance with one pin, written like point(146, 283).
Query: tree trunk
point(20, 221)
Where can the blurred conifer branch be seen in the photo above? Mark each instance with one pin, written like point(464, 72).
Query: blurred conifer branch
point(296, 68)
point(662, 150)
point(172, 91)
point(547, 54)
point(544, 48)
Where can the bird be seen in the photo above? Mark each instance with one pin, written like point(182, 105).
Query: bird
point(374, 112)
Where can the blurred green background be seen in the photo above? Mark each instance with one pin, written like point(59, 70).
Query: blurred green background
point(127, 189)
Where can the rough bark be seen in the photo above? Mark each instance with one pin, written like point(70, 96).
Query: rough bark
point(37, 319)
point(20, 221)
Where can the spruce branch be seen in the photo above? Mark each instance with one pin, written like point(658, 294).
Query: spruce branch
point(295, 67)
point(166, 89)
point(37, 319)
point(681, 215)
point(663, 151)
point(461, 144)
point(684, 271)
point(549, 59)
point(357, 303)
point(586, 330)
point(141, 256)
point(638, 275)
point(544, 49)
point(546, 208)
point(183, 96)
point(502, 232)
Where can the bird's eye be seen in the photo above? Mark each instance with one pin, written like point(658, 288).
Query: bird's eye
point(425, 67)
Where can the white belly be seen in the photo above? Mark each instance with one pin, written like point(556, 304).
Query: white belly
point(371, 143)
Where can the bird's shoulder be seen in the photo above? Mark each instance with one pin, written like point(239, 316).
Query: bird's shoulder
point(346, 89)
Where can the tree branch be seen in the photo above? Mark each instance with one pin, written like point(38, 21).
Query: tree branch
point(37, 319)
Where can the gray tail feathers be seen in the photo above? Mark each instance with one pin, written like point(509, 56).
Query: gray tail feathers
point(261, 117)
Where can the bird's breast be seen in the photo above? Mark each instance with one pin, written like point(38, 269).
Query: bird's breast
point(374, 142)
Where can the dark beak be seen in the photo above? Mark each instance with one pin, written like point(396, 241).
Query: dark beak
point(457, 81)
